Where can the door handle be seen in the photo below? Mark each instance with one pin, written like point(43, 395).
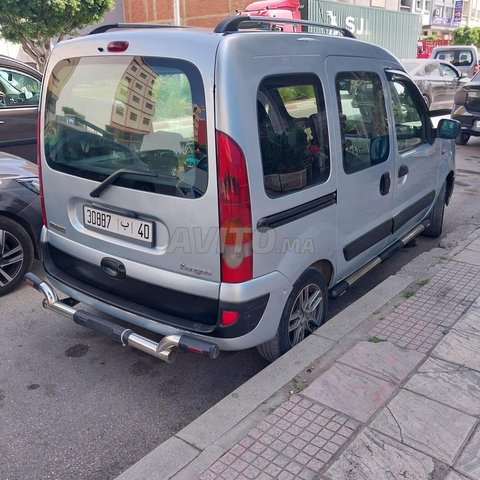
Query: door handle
point(385, 183)
point(402, 171)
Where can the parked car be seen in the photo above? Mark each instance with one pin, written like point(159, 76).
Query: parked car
point(317, 168)
point(437, 80)
point(20, 219)
point(466, 110)
point(464, 57)
point(19, 94)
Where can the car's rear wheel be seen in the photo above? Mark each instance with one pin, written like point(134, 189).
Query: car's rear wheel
point(304, 312)
point(462, 139)
point(436, 215)
point(16, 254)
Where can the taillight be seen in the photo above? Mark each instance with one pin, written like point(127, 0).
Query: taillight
point(117, 46)
point(235, 212)
point(39, 164)
point(228, 318)
point(475, 68)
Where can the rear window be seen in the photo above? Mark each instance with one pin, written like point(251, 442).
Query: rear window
point(143, 114)
point(459, 58)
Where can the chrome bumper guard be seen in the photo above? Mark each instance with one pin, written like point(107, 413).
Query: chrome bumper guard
point(165, 350)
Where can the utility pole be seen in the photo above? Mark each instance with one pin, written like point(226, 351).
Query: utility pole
point(176, 12)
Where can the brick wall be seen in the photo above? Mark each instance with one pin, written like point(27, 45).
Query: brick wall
point(202, 13)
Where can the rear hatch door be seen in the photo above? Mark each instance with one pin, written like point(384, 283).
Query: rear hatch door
point(128, 162)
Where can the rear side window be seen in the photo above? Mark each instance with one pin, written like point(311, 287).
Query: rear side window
point(363, 120)
point(293, 134)
point(144, 114)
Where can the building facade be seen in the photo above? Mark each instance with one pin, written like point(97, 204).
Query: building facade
point(440, 17)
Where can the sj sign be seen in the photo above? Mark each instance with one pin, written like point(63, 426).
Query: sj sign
point(357, 25)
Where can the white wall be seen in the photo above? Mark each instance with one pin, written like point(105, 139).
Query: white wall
point(13, 50)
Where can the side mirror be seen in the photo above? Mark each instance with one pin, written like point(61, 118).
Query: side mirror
point(448, 128)
point(463, 75)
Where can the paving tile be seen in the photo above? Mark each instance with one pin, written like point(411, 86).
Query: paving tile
point(396, 328)
point(350, 391)
point(426, 425)
point(470, 322)
point(460, 348)
point(385, 360)
point(469, 461)
point(272, 452)
point(448, 383)
point(455, 476)
point(372, 456)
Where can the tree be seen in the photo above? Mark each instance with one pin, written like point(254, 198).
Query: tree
point(37, 24)
point(466, 36)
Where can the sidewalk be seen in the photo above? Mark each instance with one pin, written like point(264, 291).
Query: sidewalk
point(388, 389)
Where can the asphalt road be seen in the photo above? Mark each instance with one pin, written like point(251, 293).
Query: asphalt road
point(74, 405)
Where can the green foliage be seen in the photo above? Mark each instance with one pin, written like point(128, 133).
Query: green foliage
point(173, 96)
point(466, 36)
point(433, 36)
point(376, 340)
point(298, 92)
point(34, 23)
point(423, 282)
point(408, 294)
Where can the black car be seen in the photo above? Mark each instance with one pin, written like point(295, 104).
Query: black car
point(437, 80)
point(20, 219)
point(19, 96)
point(466, 110)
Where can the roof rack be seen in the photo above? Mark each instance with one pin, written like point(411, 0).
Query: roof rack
point(232, 24)
point(105, 28)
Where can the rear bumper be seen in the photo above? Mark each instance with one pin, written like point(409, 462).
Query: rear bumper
point(467, 121)
point(259, 303)
point(164, 350)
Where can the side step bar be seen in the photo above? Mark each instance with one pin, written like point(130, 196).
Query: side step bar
point(339, 289)
point(165, 350)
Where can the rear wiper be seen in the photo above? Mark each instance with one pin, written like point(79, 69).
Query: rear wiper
point(96, 192)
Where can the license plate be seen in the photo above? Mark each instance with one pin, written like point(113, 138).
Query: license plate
point(134, 229)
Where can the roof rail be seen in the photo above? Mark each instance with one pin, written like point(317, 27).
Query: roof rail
point(232, 24)
point(105, 28)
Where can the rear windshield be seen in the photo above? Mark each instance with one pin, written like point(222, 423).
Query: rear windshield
point(143, 114)
point(459, 58)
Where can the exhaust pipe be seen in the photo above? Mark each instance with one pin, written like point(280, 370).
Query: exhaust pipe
point(165, 350)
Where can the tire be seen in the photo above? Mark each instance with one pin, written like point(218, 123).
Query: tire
point(16, 254)
point(436, 215)
point(309, 293)
point(462, 139)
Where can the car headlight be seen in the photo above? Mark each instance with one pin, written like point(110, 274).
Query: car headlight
point(32, 184)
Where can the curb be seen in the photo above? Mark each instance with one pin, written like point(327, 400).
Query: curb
point(191, 451)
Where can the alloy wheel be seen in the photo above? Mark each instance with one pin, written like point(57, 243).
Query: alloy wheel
point(306, 314)
point(11, 257)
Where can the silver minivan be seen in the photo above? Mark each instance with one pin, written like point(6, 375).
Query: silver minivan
point(216, 187)
point(464, 57)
